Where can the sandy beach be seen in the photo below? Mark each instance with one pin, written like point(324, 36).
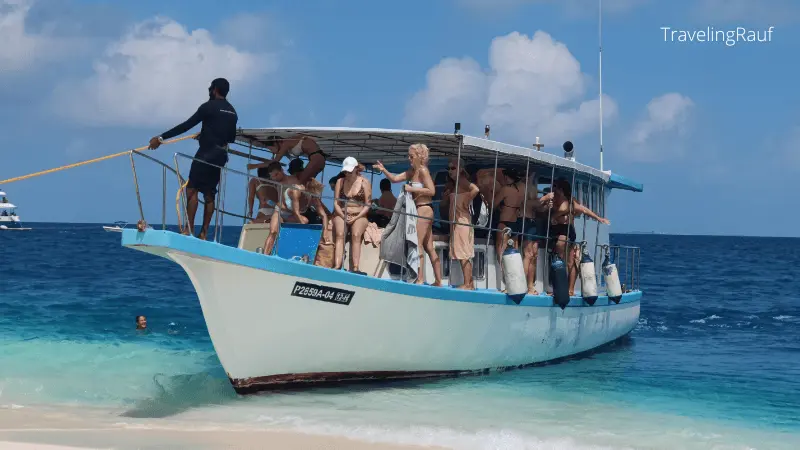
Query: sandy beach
point(68, 429)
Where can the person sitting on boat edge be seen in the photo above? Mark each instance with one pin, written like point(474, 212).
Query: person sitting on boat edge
point(297, 146)
point(219, 121)
point(355, 191)
point(289, 207)
point(420, 185)
point(462, 236)
point(562, 227)
point(267, 195)
point(311, 200)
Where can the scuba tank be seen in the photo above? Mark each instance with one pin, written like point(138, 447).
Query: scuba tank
point(611, 276)
point(588, 280)
point(559, 279)
point(514, 274)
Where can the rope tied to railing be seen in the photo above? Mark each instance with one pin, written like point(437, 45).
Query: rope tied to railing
point(179, 200)
point(91, 161)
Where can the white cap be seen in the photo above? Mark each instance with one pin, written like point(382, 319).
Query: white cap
point(349, 164)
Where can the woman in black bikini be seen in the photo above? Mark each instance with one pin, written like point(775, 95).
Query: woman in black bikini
point(295, 147)
point(422, 189)
point(509, 199)
point(562, 227)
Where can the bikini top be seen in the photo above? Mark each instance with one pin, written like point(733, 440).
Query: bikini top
point(297, 150)
point(359, 196)
point(503, 202)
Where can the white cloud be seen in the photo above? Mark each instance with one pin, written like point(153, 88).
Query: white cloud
point(654, 137)
point(349, 120)
point(22, 48)
point(789, 157)
point(158, 74)
point(534, 87)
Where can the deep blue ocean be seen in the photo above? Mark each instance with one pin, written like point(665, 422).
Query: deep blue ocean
point(713, 363)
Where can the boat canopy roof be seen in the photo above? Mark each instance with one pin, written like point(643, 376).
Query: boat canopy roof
point(6, 206)
point(390, 147)
point(2, 194)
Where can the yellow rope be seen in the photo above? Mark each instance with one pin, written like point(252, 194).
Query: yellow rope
point(178, 197)
point(83, 163)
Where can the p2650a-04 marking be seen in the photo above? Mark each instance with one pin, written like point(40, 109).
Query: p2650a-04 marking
point(322, 293)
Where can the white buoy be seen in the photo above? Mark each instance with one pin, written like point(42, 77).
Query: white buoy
point(588, 280)
point(611, 276)
point(456, 277)
point(514, 274)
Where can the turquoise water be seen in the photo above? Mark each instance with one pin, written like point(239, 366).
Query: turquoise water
point(714, 362)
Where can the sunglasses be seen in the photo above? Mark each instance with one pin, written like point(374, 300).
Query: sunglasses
point(451, 168)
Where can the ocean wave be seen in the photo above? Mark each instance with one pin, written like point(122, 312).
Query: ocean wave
point(785, 318)
point(505, 439)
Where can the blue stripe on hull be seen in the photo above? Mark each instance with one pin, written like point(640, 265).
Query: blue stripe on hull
point(233, 255)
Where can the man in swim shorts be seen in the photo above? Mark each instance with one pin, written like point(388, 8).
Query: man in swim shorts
point(219, 120)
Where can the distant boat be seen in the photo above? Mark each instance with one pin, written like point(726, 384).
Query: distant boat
point(119, 226)
point(9, 220)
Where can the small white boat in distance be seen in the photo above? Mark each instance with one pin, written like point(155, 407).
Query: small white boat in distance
point(118, 227)
point(9, 220)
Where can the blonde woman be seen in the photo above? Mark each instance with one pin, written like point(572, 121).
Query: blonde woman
point(420, 186)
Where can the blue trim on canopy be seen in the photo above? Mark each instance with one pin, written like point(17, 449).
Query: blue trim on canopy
point(232, 255)
point(619, 182)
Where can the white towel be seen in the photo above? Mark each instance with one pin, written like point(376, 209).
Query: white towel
point(412, 242)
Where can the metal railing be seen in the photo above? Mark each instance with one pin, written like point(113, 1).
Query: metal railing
point(625, 257)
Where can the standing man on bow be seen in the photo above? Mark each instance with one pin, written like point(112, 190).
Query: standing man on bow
point(219, 129)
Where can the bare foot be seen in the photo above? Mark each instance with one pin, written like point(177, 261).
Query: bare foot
point(437, 284)
point(571, 293)
point(203, 235)
point(533, 291)
point(186, 232)
point(466, 287)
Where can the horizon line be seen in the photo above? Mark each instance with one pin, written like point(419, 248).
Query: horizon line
point(631, 233)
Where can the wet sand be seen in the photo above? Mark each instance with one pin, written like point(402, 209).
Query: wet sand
point(68, 429)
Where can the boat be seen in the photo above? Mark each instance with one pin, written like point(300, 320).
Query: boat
point(117, 227)
point(279, 321)
point(9, 220)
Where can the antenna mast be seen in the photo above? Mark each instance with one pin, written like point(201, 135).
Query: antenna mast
point(600, 41)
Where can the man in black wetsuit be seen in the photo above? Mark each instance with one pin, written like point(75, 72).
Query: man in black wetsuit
point(219, 129)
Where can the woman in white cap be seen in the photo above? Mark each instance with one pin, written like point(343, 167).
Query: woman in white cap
point(351, 213)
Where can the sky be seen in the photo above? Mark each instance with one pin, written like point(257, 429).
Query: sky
point(703, 125)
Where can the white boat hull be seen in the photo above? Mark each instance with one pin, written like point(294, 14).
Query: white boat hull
point(11, 223)
point(269, 330)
